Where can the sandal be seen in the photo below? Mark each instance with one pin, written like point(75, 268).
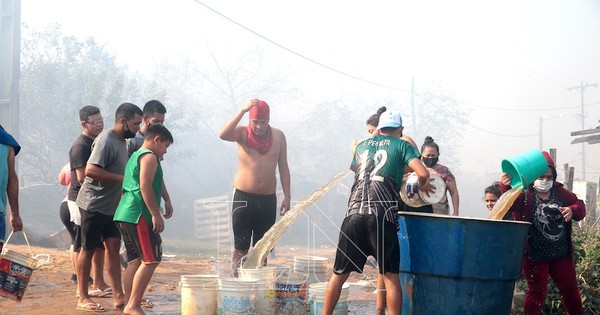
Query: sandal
point(101, 293)
point(145, 303)
point(90, 307)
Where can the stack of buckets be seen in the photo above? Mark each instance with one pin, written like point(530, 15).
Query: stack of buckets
point(236, 296)
point(315, 270)
point(291, 293)
point(264, 277)
point(199, 294)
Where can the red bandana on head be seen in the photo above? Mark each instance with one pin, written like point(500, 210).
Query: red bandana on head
point(261, 143)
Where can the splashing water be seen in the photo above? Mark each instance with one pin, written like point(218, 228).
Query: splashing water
point(504, 203)
point(257, 254)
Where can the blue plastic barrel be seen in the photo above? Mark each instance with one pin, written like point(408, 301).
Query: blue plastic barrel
point(456, 265)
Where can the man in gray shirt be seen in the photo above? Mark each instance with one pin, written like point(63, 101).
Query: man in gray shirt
point(98, 199)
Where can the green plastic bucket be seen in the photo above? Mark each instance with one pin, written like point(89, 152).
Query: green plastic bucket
point(525, 168)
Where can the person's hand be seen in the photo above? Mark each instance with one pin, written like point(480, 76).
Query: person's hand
point(505, 179)
point(428, 188)
point(285, 206)
point(249, 104)
point(158, 224)
point(168, 209)
point(16, 223)
point(567, 213)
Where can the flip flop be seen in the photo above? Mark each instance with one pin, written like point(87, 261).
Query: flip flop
point(101, 293)
point(90, 307)
point(145, 303)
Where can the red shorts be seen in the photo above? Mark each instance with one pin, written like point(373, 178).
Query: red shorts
point(140, 241)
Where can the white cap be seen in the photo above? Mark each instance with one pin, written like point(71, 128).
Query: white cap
point(390, 118)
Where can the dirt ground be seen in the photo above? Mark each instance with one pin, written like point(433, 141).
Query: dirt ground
point(50, 290)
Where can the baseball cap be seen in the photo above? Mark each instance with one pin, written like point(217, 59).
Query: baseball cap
point(391, 119)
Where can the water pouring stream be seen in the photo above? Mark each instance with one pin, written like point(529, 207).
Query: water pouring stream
point(257, 254)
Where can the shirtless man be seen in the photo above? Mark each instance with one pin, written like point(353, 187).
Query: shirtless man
point(261, 149)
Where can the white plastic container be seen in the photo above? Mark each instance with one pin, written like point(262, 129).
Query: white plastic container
point(412, 196)
point(265, 303)
point(314, 267)
point(199, 294)
point(316, 293)
point(236, 296)
point(291, 294)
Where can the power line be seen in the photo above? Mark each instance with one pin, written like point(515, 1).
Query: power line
point(501, 134)
point(301, 55)
point(535, 109)
point(349, 75)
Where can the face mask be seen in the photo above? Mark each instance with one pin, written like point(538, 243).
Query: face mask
point(127, 133)
point(542, 185)
point(429, 162)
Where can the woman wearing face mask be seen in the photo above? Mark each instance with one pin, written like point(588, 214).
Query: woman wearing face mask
point(549, 249)
point(430, 153)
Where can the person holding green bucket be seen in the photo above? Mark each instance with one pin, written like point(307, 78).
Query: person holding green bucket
point(549, 249)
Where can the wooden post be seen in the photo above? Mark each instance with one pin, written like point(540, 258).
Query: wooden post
point(566, 170)
point(569, 174)
point(569, 184)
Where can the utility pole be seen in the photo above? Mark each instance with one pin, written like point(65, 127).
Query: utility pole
point(412, 104)
point(582, 87)
point(10, 50)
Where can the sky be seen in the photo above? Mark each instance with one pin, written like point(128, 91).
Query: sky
point(515, 66)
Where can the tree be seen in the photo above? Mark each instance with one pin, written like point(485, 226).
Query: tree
point(59, 75)
point(439, 115)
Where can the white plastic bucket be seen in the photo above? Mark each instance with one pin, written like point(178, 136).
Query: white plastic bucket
point(314, 267)
point(262, 273)
point(412, 196)
point(265, 303)
point(199, 294)
point(15, 272)
point(291, 294)
point(317, 297)
point(236, 296)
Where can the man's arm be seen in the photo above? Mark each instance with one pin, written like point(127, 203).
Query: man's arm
point(423, 175)
point(98, 173)
point(12, 191)
point(230, 131)
point(64, 177)
point(284, 176)
point(80, 172)
point(167, 198)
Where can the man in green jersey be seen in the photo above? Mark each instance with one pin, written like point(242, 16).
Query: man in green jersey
point(369, 227)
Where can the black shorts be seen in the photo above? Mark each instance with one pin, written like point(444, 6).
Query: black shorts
point(251, 216)
point(73, 229)
point(364, 235)
point(140, 241)
point(95, 227)
point(65, 217)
